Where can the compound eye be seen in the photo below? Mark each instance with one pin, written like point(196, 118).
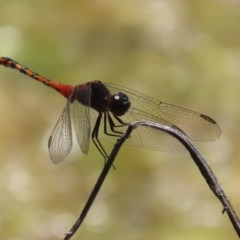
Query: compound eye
point(118, 104)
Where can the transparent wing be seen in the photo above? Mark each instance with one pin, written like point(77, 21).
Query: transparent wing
point(81, 120)
point(154, 139)
point(60, 141)
point(196, 126)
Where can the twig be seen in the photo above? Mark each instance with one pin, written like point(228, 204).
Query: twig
point(203, 166)
point(100, 180)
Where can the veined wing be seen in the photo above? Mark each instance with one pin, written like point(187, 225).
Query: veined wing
point(81, 117)
point(60, 141)
point(197, 126)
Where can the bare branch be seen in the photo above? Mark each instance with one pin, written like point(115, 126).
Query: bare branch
point(202, 164)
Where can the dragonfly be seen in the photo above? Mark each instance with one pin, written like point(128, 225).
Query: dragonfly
point(102, 110)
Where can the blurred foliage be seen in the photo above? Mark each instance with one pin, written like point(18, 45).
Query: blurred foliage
point(183, 52)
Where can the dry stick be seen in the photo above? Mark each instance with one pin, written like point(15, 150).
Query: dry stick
point(203, 166)
point(100, 180)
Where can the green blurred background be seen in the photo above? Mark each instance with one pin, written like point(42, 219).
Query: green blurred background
point(182, 52)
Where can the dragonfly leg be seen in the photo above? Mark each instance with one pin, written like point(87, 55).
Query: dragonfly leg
point(95, 139)
point(108, 120)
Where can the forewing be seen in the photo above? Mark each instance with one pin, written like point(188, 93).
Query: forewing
point(60, 141)
point(196, 126)
point(81, 119)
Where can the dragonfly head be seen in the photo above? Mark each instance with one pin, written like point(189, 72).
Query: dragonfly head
point(118, 104)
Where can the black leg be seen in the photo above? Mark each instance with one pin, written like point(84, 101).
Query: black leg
point(109, 121)
point(95, 139)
